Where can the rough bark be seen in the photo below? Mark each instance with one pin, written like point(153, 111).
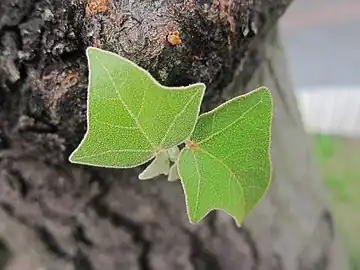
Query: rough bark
point(58, 216)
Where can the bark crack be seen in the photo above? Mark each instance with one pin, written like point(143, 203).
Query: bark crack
point(118, 220)
point(200, 257)
point(136, 231)
point(246, 235)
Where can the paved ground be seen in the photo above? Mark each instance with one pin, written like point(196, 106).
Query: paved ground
point(322, 39)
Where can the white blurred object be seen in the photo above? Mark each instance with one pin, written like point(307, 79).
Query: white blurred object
point(331, 110)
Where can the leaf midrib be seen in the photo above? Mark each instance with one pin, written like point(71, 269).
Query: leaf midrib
point(223, 164)
point(229, 125)
point(136, 120)
point(124, 104)
point(176, 117)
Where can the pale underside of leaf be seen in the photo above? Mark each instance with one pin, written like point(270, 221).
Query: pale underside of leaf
point(160, 165)
point(173, 173)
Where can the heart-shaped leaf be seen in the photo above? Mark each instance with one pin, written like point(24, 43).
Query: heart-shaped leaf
point(226, 163)
point(131, 117)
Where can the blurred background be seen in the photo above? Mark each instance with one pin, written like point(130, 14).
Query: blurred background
point(323, 50)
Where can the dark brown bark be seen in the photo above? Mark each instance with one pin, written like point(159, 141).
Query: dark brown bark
point(59, 216)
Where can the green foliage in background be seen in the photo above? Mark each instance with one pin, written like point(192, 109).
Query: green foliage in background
point(339, 160)
point(225, 161)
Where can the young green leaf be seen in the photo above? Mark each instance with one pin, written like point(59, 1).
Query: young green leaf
point(173, 153)
point(173, 173)
point(131, 117)
point(160, 165)
point(226, 163)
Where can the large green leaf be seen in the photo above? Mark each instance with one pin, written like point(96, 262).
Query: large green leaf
point(226, 163)
point(131, 117)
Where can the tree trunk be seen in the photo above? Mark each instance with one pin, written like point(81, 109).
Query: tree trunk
point(58, 216)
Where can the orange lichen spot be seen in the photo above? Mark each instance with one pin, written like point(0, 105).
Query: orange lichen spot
point(174, 38)
point(191, 145)
point(70, 80)
point(97, 6)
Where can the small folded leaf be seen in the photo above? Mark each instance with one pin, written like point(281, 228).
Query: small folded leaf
point(226, 163)
point(131, 117)
point(174, 153)
point(173, 173)
point(160, 165)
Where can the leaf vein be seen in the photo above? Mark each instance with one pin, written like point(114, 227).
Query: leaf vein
point(227, 167)
point(116, 126)
point(229, 189)
point(114, 151)
point(198, 186)
point(243, 149)
point(231, 124)
point(142, 105)
point(212, 122)
point(176, 117)
point(125, 105)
